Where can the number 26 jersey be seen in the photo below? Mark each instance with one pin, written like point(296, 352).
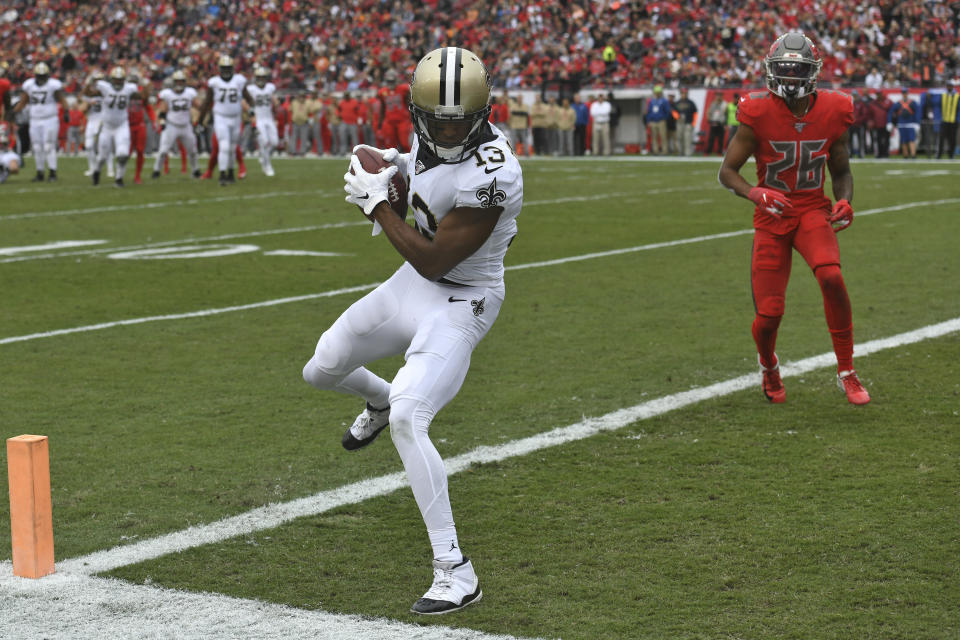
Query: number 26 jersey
point(792, 152)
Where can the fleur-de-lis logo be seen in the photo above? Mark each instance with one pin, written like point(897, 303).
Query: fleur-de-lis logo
point(477, 306)
point(490, 196)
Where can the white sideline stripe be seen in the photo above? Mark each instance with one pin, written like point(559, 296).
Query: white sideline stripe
point(274, 515)
point(326, 294)
point(63, 244)
point(154, 205)
point(295, 252)
point(77, 607)
point(191, 314)
point(173, 243)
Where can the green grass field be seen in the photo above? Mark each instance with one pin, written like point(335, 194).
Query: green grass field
point(726, 518)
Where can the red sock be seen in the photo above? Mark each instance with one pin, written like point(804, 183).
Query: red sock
point(836, 306)
point(140, 159)
point(240, 165)
point(183, 157)
point(765, 335)
point(214, 152)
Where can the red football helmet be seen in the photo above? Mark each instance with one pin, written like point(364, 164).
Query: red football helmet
point(792, 66)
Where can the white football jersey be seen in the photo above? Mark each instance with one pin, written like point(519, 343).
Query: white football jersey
point(262, 101)
point(43, 102)
point(178, 104)
point(227, 95)
point(491, 177)
point(95, 112)
point(116, 101)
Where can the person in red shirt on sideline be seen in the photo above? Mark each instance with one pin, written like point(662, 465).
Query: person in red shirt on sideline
point(396, 127)
point(348, 109)
point(795, 131)
point(75, 129)
point(371, 127)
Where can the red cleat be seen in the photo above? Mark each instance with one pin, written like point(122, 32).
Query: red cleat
point(850, 384)
point(241, 173)
point(772, 384)
point(206, 176)
point(137, 180)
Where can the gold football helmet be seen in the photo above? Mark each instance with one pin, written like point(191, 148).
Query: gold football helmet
point(118, 76)
point(41, 72)
point(450, 102)
point(261, 76)
point(179, 80)
point(226, 66)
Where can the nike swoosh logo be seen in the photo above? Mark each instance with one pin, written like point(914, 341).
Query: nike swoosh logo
point(452, 299)
point(365, 196)
point(486, 170)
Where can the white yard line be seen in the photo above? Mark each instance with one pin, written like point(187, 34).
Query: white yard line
point(355, 289)
point(63, 244)
point(155, 205)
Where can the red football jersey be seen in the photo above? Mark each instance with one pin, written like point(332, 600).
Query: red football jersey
point(792, 152)
point(395, 103)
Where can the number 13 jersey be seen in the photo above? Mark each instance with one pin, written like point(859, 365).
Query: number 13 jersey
point(792, 152)
point(489, 178)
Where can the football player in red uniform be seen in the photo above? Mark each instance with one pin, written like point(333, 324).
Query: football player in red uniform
point(794, 131)
point(139, 111)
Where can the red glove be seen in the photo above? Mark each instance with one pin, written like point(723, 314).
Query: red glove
point(842, 216)
point(773, 202)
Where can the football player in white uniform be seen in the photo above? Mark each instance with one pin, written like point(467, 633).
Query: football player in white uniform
point(262, 92)
point(41, 95)
point(115, 129)
point(466, 191)
point(225, 94)
point(175, 123)
point(92, 107)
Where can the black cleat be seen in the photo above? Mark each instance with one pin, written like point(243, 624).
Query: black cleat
point(230, 177)
point(118, 182)
point(96, 177)
point(196, 173)
point(223, 179)
point(155, 175)
point(53, 176)
point(39, 177)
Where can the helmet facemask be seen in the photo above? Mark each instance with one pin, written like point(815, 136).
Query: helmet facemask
point(792, 66)
point(451, 136)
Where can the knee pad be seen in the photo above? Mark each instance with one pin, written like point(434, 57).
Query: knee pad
point(323, 370)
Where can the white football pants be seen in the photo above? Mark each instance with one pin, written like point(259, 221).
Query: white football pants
point(436, 327)
point(43, 141)
point(228, 137)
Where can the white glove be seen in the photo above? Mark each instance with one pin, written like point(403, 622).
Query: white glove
point(389, 155)
point(889, 126)
point(366, 190)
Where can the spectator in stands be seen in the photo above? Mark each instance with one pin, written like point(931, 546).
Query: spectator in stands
point(347, 110)
point(717, 119)
point(686, 110)
point(874, 79)
point(500, 114)
point(658, 111)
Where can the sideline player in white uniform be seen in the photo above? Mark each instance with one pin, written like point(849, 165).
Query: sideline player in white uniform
point(466, 191)
point(93, 108)
point(225, 94)
point(10, 162)
point(42, 94)
point(262, 92)
point(175, 121)
point(115, 131)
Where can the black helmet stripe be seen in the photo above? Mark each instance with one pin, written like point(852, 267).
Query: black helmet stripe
point(450, 64)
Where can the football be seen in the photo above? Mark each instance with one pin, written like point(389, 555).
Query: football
point(397, 189)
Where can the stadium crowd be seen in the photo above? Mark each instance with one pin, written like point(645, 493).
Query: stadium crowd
point(350, 44)
point(318, 54)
